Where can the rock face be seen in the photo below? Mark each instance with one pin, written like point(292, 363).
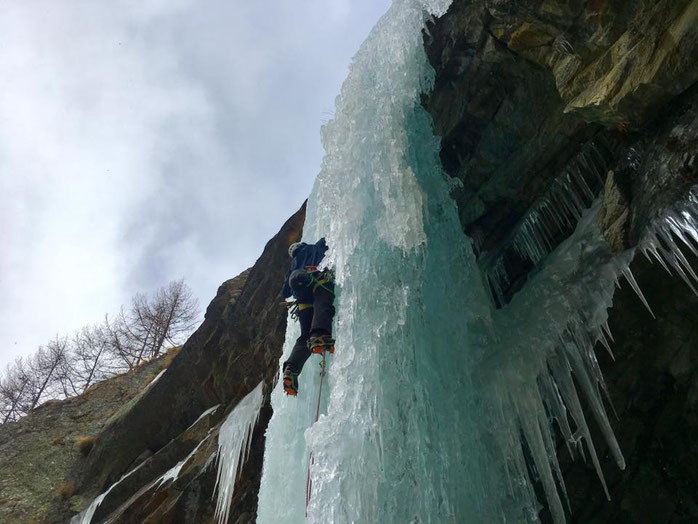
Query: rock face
point(237, 346)
point(543, 105)
point(537, 99)
point(146, 430)
point(36, 451)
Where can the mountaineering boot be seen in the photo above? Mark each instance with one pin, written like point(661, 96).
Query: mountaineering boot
point(290, 382)
point(320, 344)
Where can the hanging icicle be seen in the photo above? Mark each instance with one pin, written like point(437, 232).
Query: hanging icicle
point(558, 210)
point(659, 243)
point(234, 442)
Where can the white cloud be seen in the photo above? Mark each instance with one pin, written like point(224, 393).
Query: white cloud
point(146, 141)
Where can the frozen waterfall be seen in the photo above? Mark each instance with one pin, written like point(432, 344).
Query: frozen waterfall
point(398, 439)
point(431, 390)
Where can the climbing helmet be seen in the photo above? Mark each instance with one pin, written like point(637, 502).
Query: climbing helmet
point(293, 248)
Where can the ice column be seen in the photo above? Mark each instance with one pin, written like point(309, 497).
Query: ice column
point(234, 442)
point(399, 439)
point(430, 390)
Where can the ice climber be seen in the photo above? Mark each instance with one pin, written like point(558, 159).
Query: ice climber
point(313, 290)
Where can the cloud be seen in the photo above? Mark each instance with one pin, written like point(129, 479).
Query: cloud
point(146, 141)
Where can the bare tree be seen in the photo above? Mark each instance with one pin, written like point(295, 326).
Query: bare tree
point(176, 312)
point(68, 366)
point(44, 368)
point(117, 341)
point(13, 387)
point(141, 325)
point(88, 361)
point(140, 333)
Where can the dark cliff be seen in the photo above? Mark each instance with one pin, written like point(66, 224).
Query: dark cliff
point(541, 102)
point(237, 346)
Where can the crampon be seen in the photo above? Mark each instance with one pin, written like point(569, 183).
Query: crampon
point(290, 383)
point(321, 344)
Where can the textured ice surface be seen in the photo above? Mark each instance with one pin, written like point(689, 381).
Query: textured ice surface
point(431, 392)
point(398, 441)
point(234, 441)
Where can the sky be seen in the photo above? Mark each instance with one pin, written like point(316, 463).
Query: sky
point(147, 141)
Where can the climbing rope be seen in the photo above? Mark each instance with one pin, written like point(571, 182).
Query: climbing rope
point(308, 482)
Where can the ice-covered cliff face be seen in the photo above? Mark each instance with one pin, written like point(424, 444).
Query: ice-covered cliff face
point(439, 402)
point(434, 398)
point(400, 435)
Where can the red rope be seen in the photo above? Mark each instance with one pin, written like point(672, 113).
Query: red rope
point(308, 482)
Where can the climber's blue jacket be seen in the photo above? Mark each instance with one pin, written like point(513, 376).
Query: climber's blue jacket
point(306, 255)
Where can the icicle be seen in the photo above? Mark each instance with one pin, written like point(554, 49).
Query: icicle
point(556, 406)
point(650, 246)
point(568, 197)
point(601, 337)
point(607, 329)
point(85, 516)
point(234, 441)
point(564, 379)
point(681, 221)
point(633, 283)
point(536, 443)
point(173, 473)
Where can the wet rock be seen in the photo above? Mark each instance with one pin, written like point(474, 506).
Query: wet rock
point(614, 215)
point(522, 90)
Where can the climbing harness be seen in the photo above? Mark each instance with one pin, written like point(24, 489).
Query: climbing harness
point(320, 277)
point(294, 308)
point(308, 482)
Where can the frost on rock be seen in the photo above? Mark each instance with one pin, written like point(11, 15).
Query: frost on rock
point(210, 410)
point(676, 228)
point(155, 379)
point(234, 441)
point(172, 474)
point(85, 516)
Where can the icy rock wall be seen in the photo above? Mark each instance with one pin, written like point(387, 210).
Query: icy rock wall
point(397, 440)
point(431, 391)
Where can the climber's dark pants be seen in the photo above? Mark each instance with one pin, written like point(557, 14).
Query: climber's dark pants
point(315, 320)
